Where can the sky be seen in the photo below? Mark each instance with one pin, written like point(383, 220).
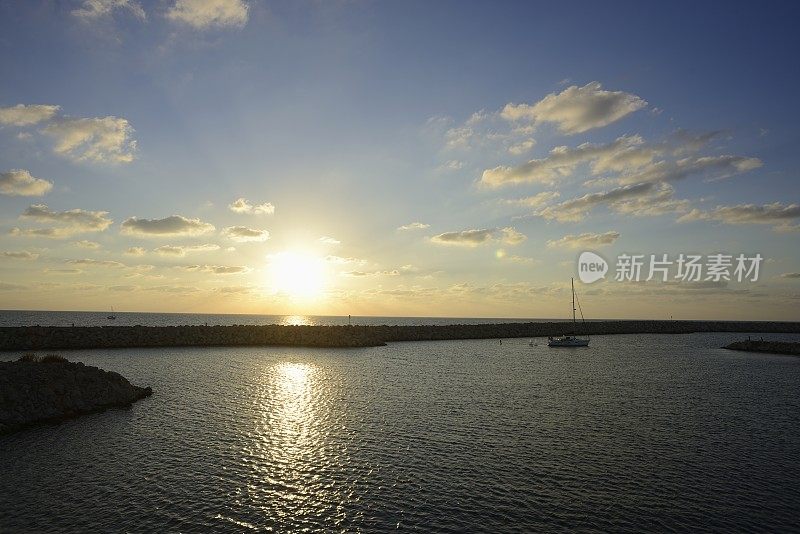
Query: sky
point(398, 158)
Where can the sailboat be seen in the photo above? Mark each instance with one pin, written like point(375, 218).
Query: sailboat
point(112, 317)
point(569, 340)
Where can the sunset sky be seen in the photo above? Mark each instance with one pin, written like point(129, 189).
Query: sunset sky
point(395, 158)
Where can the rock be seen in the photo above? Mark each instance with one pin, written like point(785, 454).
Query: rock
point(34, 392)
point(773, 347)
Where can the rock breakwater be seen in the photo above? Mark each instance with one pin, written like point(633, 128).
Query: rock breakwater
point(52, 338)
point(33, 392)
point(773, 347)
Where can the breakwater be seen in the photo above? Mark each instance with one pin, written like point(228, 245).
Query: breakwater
point(773, 347)
point(33, 392)
point(45, 337)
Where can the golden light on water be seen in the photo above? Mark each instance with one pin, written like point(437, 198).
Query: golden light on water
point(297, 275)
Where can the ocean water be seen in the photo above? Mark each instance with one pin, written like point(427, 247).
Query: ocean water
point(70, 318)
point(636, 433)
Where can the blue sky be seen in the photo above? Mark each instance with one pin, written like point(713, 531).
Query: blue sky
point(354, 119)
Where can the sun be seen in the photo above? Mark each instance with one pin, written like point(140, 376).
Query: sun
point(297, 275)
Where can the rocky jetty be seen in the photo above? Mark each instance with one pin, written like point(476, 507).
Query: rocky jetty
point(53, 338)
point(36, 391)
point(773, 347)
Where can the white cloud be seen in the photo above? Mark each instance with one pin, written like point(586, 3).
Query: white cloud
point(96, 263)
point(778, 214)
point(474, 238)
point(98, 140)
point(413, 226)
point(73, 221)
point(20, 255)
point(135, 251)
point(180, 251)
point(586, 240)
point(559, 163)
point(521, 147)
point(91, 10)
point(85, 243)
point(711, 167)
point(26, 115)
point(536, 201)
point(342, 261)
point(577, 109)
point(329, 240)
point(20, 183)
point(638, 199)
point(243, 234)
point(204, 14)
point(241, 205)
point(173, 225)
point(217, 269)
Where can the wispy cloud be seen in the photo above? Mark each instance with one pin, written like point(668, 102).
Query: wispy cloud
point(27, 115)
point(72, 222)
point(474, 238)
point(205, 14)
point(586, 240)
point(181, 250)
point(413, 226)
point(20, 255)
point(91, 10)
point(243, 234)
point(778, 214)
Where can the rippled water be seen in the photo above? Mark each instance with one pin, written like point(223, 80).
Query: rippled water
point(635, 433)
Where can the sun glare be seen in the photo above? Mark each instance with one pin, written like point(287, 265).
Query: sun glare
point(297, 275)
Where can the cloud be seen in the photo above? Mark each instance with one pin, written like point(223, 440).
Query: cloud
point(91, 10)
point(73, 222)
point(329, 240)
point(643, 199)
point(174, 225)
point(26, 115)
point(217, 269)
point(243, 234)
point(559, 163)
point(586, 240)
point(790, 275)
point(241, 205)
point(93, 245)
point(521, 147)
point(413, 226)
point(97, 140)
point(536, 201)
point(577, 109)
point(712, 167)
point(20, 183)
point(176, 250)
point(776, 213)
point(339, 260)
point(20, 255)
point(135, 251)
point(474, 238)
point(205, 14)
point(96, 263)
point(5, 286)
point(393, 272)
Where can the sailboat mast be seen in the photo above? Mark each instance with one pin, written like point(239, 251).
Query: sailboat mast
point(572, 281)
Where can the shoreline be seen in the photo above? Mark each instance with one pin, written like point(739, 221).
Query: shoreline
point(24, 338)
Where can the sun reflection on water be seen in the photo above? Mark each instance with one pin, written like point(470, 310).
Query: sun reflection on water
point(291, 450)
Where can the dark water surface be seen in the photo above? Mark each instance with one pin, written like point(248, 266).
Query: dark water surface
point(642, 432)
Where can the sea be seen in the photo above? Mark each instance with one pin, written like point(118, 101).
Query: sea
point(634, 433)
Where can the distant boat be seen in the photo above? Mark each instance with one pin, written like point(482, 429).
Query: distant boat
point(569, 340)
point(112, 317)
